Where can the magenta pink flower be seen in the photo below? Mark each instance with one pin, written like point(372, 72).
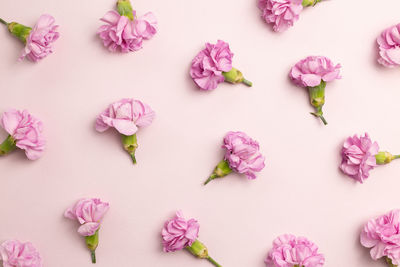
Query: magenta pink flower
point(25, 132)
point(126, 116)
point(281, 13)
point(89, 212)
point(358, 157)
point(309, 72)
point(382, 235)
point(41, 38)
point(179, 233)
point(389, 46)
point(14, 253)
point(289, 250)
point(243, 154)
point(208, 65)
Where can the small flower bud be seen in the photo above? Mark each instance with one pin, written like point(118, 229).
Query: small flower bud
point(384, 157)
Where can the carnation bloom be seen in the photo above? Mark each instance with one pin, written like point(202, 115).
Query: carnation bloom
point(213, 65)
point(382, 236)
point(126, 116)
point(38, 40)
point(89, 212)
point(358, 157)
point(179, 233)
point(314, 72)
point(289, 250)
point(14, 253)
point(124, 30)
point(389, 46)
point(242, 156)
point(25, 132)
point(283, 13)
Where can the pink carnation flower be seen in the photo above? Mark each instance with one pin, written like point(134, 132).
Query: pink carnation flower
point(382, 235)
point(310, 71)
point(14, 253)
point(41, 38)
point(358, 157)
point(125, 116)
point(289, 251)
point(243, 154)
point(281, 13)
point(208, 65)
point(179, 233)
point(89, 212)
point(389, 46)
point(121, 32)
point(26, 131)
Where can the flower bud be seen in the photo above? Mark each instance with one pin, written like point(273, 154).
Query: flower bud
point(20, 31)
point(92, 242)
point(384, 157)
point(198, 249)
point(124, 8)
point(7, 146)
point(130, 145)
point(235, 76)
point(222, 169)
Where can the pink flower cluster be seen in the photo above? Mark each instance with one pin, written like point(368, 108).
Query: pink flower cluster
point(208, 65)
point(281, 13)
point(243, 154)
point(358, 157)
point(26, 130)
point(382, 235)
point(125, 116)
point(179, 233)
point(41, 38)
point(89, 212)
point(389, 47)
point(309, 72)
point(289, 250)
point(125, 34)
point(14, 253)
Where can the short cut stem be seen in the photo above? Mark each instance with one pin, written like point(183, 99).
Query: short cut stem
point(213, 261)
point(248, 83)
point(93, 255)
point(323, 119)
point(3, 21)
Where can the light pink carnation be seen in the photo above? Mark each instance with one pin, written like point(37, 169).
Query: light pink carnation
point(121, 32)
point(289, 251)
point(208, 65)
point(41, 38)
point(358, 157)
point(310, 71)
point(281, 13)
point(14, 253)
point(243, 154)
point(89, 212)
point(179, 233)
point(389, 46)
point(26, 130)
point(125, 116)
point(382, 235)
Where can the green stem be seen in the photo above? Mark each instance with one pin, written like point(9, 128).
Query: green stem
point(397, 156)
point(213, 261)
point(323, 119)
point(93, 254)
point(248, 83)
point(212, 177)
point(3, 21)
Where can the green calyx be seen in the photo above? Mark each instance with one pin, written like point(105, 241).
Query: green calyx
point(7, 146)
point(130, 145)
point(124, 8)
point(307, 3)
point(384, 157)
point(317, 99)
point(220, 171)
point(199, 250)
point(20, 31)
point(92, 242)
point(389, 262)
point(236, 76)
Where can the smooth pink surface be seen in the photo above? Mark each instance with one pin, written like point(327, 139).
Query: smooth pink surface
point(301, 190)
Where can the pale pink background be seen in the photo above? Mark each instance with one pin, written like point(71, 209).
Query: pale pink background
point(301, 190)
